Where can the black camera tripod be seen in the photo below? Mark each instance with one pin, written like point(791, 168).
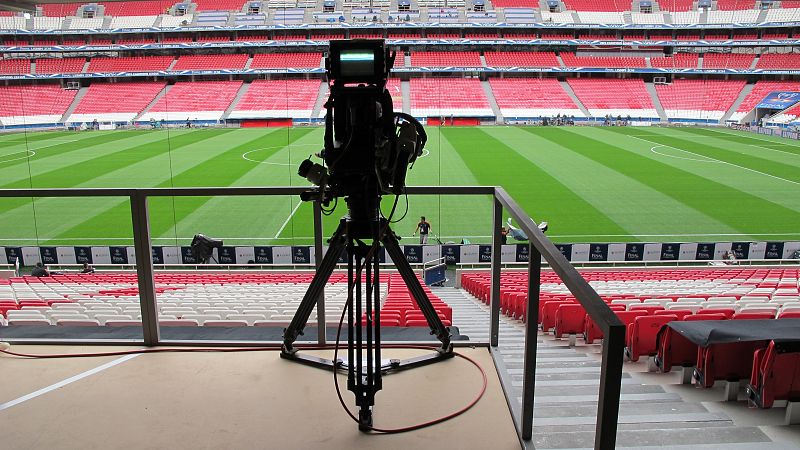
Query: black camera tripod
point(364, 333)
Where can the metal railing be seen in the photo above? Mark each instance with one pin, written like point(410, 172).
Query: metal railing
point(539, 246)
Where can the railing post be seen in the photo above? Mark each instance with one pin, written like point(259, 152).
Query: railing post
point(610, 384)
point(494, 298)
point(144, 268)
point(531, 340)
point(321, 339)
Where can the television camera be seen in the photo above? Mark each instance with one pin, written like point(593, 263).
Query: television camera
point(368, 148)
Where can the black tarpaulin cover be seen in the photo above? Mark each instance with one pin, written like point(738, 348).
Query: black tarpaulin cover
point(707, 332)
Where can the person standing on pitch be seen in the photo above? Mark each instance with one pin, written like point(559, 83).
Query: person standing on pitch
point(424, 227)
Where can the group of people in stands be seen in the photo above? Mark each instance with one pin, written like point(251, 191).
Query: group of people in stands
point(41, 271)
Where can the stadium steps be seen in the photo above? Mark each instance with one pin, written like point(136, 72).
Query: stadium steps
point(33, 66)
point(81, 92)
point(29, 22)
point(762, 16)
point(157, 23)
point(568, 89)
point(560, 61)
point(320, 102)
point(703, 17)
point(85, 68)
point(66, 23)
point(406, 59)
point(700, 61)
point(405, 89)
point(755, 61)
point(172, 64)
point(248, 63)
point(487, 89)
point(242, 90)
point(735, 106)
point(647, 62)
point(155, 100)
point(651, 89)
point(106, 22)
point(567, 391)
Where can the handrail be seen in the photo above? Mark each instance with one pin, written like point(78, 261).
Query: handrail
point(539, 245)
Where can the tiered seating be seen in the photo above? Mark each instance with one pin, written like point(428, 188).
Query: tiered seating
point(443, 97)
point(761, 90)
point(175, 21)
point(230, 300)
point(699, 99)
point(515, 3)
point(286, 60)
point(727, 60)
point(612, 96)
point(278, 99)
point(732, 5)
point(210, 62)
point(60, 9)
point(778, 61)
point(78, 23)
point(559, 17)
point(103, 100)
point(60, 65)
point(601, 17)
point(739, 16)
point(521, 59)
point(676, 5)
point(137, 8)
point(597, 5)
point(788, 116)
point(532, 97)
point(133, 21)
point(219, 5)
point(572, 60)
point(783, 14)
point(201, 100)
point(130, 64)
point(445, 59)
point(15, 66)
point(686, 17)
point(12, 23)
point(47, 23)
point(676, 61)
point(20, 105)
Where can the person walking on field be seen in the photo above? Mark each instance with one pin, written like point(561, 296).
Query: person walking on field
point(424, 227)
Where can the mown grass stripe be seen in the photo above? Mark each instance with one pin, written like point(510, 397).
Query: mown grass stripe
point(636, 207)
point(61, 149)
point(740, 210)
point(494, 163)
point(757, 163)
point(739, 137)
point(220, 170)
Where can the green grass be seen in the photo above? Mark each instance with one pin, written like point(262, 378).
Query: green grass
point(591, 184)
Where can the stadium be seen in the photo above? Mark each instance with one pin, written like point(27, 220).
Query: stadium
point(602, 226)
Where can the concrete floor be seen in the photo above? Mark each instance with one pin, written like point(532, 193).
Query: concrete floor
point(237, 400)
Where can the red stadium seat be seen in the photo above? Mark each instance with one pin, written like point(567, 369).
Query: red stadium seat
point(643, 333)
point(753, 316)
point(775, 374)
point(729, 362)
point(570, 319)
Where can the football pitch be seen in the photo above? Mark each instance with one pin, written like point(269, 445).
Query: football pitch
point(591, 184)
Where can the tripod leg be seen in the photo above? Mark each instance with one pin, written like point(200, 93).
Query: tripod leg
point(411, 280)
point(295, 328)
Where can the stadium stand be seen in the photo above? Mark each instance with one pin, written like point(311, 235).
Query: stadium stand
point(774, 374)
point(698, 99)
point(442, 97)
point(521, 59)
point(133, 21)
point(597, 5)
point(728, 60)
point(13, 66)
point(445, 59)
point(60, 65)
point(286, 60)
point(277, 99)
point(778, 61)
point(676, 61)
point(532, 97)
point(615, 97)
point(760, 90)
point(210, 62)
point(196, 100)
point(102, 101)
point(20, 105)
point(573, 60)
point(130, 63)
point(137, 8)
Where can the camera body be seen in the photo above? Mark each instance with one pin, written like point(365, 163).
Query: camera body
point(368, 146)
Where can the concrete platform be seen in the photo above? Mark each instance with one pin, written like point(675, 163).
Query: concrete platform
point(236, 401)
